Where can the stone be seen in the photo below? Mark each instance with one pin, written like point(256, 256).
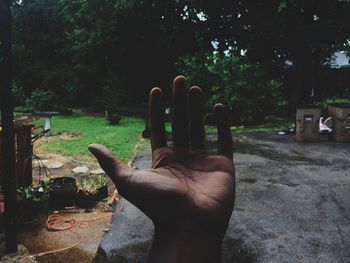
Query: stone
point(22, 118)
point(80, 170)
point(129, 238)
point(54, 165)
point(97, 172)
point(18, 256)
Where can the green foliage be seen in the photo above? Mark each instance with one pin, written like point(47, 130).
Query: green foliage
point(247, 91)
point(284, 5)
point(40, 60)
point(36, 192)
point(80, 47)
point(92, 185)
point(83, 129)
point(113, 95)
point(83, 47)
point(42, 100)
point(18, 94)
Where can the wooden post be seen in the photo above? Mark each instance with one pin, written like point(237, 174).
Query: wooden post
point(7, 134)
point(24, 150)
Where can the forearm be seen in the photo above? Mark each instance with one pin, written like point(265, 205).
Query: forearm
point(185, 244)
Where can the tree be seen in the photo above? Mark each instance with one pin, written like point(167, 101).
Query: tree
point(291, 39)
point(39, 45)
point(85, 46)
point(246, 90)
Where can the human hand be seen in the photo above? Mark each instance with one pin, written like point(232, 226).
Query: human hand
point(188, 194)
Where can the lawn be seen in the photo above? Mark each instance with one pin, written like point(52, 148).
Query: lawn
point(86, 129)
point(82, 129)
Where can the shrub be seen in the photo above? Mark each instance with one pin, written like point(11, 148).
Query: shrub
point(18, 94)
point(42, 100)
point(112, 96)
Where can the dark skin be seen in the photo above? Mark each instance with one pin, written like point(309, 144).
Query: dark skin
point(188, 194)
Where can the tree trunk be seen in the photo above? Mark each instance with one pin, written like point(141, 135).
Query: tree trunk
point(7, 134)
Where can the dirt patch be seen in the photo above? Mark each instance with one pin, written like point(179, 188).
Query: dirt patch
point(54, 137)
point(33, 232)
point(37, 238)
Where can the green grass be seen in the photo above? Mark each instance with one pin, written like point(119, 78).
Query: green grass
point(121, 138)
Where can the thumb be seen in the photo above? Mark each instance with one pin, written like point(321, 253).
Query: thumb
point(114, 168)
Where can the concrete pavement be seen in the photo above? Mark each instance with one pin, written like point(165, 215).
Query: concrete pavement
point(292, 205)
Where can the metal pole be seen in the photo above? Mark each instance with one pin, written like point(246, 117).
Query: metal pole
point(7, 134)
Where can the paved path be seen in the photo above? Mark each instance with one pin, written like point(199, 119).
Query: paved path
point(292, 205)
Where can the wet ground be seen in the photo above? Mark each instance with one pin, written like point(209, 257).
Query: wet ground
point(292, 205)
point(38, 239)
point(33, 232)
point(292, 202)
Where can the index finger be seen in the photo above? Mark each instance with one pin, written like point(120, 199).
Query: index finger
point(156, 119)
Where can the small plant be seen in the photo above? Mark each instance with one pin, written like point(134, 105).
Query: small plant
point(113, 117)
point(36, 192)
point(112, 98)
point(91, 191)
point(93, 185)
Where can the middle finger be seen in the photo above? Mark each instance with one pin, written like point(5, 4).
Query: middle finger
point(180, 113)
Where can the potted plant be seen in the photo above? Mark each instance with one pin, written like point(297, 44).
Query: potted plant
point(63, 192)
point(90, 191)
point(113, 117)
point(34, 198)
point(112, 97)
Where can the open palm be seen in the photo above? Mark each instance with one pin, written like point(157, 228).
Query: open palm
point(185, 186)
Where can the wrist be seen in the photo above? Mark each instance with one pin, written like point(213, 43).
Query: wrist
point(186, 243)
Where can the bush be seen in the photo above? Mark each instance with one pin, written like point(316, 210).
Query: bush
point(42, 100)
point(112, 96)
point(18, 94)
point(244, 88)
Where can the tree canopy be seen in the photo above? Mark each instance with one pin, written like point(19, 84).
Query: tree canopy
point(118, 49)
